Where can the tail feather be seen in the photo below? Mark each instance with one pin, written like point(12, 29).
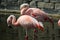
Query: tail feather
point(40, 26)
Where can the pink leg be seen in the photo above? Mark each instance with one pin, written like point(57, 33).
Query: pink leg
point(26, 37)
point(35, 34)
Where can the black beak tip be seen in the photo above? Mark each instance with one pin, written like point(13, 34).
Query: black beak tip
point(10, 26)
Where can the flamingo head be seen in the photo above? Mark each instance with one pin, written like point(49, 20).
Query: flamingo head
point(24, 5)
point(9, 20)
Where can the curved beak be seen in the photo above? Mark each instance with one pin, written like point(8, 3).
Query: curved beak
point(9, 26)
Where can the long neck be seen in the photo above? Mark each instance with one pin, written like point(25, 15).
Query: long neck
point(14, 22)
point(23, 11)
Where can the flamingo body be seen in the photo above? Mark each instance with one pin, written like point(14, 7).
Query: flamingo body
point(36, 13)
point(25, 21)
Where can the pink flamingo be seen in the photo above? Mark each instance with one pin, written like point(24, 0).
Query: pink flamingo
point(35, 12)
point(59, 22)
point(26, 22)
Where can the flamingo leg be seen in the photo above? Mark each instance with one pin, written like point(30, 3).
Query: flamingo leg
point(35, 34)
point(26, 37)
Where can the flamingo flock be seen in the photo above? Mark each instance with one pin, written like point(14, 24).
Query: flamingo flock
point(30, 18)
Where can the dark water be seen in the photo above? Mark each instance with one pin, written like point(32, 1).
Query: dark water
point(18, 33)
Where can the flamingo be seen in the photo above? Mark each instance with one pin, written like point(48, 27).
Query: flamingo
point(40, 15)
point(59, 22)
point(26, 22)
